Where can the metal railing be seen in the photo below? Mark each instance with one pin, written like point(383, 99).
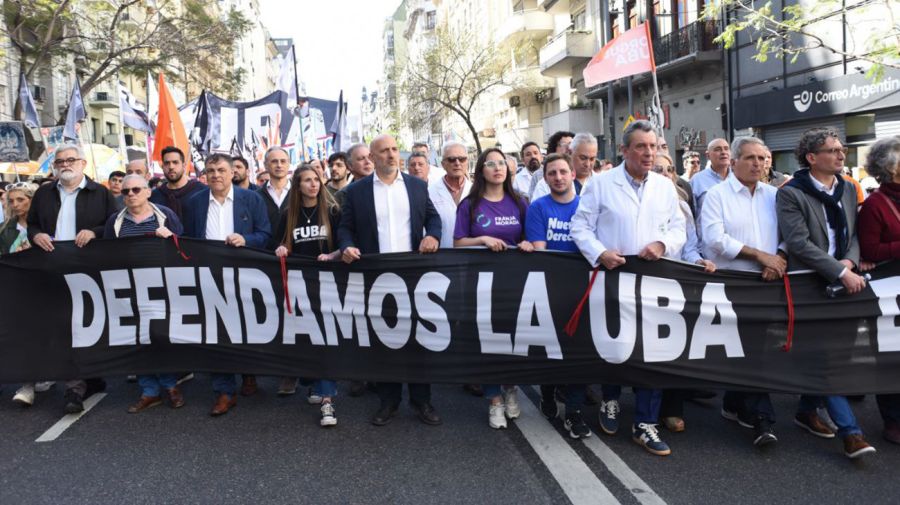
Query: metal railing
point(693, 38)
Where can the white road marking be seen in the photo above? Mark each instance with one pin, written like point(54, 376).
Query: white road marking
point(576, 479)
point(623, 472)
point(69, 419)
point(635, 485)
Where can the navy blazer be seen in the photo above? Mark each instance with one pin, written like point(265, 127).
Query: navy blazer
point(359, 225)
point(250, 218)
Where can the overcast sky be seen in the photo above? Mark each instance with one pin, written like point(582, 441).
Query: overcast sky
point(338, 42)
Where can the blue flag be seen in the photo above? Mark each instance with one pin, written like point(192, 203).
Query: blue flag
point(76, 113)
point(29, 111)
point(132, 115)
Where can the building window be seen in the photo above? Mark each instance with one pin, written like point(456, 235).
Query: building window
point(519, 6)
point(430, 20)
point(110, 128)
point(579, 20)
point(95, 129)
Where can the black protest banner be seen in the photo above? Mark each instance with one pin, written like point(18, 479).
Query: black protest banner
point(136, 306)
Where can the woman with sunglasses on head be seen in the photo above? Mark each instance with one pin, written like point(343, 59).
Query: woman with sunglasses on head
point(493, 216)
point(671, 409)
point(308, 227)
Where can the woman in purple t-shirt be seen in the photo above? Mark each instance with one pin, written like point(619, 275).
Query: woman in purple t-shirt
point(493, 216)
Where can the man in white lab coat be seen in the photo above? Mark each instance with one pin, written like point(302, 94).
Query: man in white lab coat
point(447, 191)
point(630, 211)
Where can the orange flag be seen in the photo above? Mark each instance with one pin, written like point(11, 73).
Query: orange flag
point(169, 128)
point(630, 53)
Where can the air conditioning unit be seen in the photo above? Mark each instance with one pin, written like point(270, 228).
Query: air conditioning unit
point(541, 96)
point(515, 101)
point(102, 96)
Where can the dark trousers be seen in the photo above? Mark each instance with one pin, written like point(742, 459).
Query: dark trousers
point(672, 403)
point(749, 406)
point(390, 393)
point(575, 394)
point(889, 406)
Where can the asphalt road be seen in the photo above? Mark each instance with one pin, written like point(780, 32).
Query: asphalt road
point(271, 450)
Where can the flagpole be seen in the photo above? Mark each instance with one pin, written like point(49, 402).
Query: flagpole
point(123, 152)
point(148, 144)
point(297, 105)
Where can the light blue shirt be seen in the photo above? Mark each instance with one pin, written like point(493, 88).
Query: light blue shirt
point(65, 220)
point(702, 182)
point(638, 187)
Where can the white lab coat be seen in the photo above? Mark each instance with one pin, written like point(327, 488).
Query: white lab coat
point(610, 216)
point(446, 207)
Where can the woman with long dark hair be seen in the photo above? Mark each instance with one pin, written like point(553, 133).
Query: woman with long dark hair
point(308, 227)
point(493, 216)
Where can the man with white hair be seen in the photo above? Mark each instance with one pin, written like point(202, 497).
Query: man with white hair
point(718, 152)
point(449, 190)
point(584, 154)
point(75, 208)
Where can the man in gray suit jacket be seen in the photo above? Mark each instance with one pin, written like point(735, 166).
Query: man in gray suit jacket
point(817, 219)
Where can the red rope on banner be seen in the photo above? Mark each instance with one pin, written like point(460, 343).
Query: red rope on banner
point(572, 325)
point(284, 282)
point(790, 309)
point(184, 256)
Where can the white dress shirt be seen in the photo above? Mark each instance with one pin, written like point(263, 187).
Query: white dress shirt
point(220, 218)
point(392, 214)
point(522, 182)
point(446, 207)
point(66, 228)
point(610, 216)
point(278, 199)
point(733, 218)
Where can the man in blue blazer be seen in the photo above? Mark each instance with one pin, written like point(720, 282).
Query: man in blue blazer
point(237, 216)
point(387, 212)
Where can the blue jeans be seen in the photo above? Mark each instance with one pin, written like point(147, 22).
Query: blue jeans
point(325, 388)
point(491, 390)
point(224, 383)
point(838, 408)
point(151, 384)
point(646, 402)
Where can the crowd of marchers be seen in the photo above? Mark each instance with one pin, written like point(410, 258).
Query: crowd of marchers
point(736, 213)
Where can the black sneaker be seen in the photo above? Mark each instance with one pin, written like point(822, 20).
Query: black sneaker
point(763, 434)
point(549, 407)
point(576, 426)
point(74, 403)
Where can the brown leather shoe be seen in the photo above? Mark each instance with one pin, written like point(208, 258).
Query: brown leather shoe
point(674, 424)
point(248, 386)
point(223, 403)
point(891, 432)
point(810, 422)
point(144, 403)
point(856, 446)
point(176, 401)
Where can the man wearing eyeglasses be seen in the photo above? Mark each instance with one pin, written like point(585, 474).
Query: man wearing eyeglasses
point(75, 208)
point(448, 191)
point(817, 219)
point(691, 164)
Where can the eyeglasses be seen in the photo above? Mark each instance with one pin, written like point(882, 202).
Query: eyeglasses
point(134, 191)
point(65, 161)
point(495, 164)
point(695, 162)
point(21, 185)
point(456, 159)
point(833, 151)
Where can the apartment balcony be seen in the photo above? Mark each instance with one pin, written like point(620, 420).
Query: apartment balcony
point(524, 80)
point(530, 24)
point(565, 51)
point(694, 41)
point(554, 6)
point(103, 100)
point(573, 120)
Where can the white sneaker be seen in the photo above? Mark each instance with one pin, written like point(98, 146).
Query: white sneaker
point(328, 418)
point(25, 395)
point(313, 398)
point(511, 398)
point(43, 387)
point(497, 416)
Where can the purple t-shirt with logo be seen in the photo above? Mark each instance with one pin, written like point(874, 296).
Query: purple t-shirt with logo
point(502, 220)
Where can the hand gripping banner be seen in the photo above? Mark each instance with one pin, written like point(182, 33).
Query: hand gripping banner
point(459, 316)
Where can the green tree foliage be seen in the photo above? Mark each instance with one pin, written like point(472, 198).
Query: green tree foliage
point(872, 27)
point(189, 40)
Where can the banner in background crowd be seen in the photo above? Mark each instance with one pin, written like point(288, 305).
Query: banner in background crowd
point(630, 53)
point(458, 316)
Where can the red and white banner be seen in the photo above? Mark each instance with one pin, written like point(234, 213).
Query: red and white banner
point(628, 54)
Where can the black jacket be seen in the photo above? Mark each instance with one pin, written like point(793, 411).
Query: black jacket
point(93, 206)
point(273, 211)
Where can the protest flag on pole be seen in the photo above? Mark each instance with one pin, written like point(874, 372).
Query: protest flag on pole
point(338, 130)
point(628, 54)
point(76, 113)
point(169, 128)
point(29, 110)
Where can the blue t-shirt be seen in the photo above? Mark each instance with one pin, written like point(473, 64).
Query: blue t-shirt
point(550, 221)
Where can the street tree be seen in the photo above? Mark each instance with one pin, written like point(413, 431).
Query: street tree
point(186, 39)
point(872, 28)
point(450, 77)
